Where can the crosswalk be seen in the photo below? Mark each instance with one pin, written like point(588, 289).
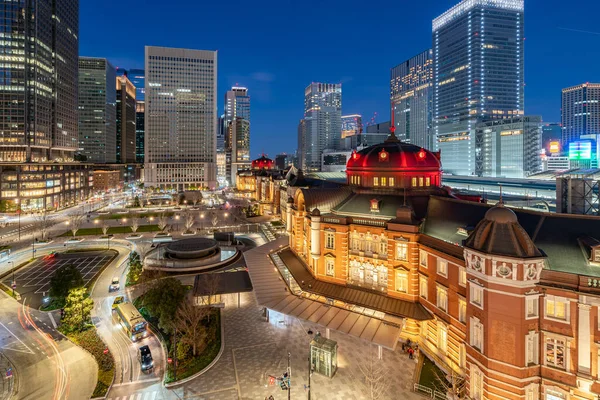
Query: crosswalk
point(138, 396)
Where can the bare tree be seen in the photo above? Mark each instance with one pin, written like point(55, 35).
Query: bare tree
point(453, 384)
point(42, 223)
point(214, 219)
point(195, 197)
point(162, 221)
point(104, 227)
point(212, 283)
point(374, 374)
point(188, 321)
point(143, 248)
point(189, 221)
point(135, 224)
point(75, 221)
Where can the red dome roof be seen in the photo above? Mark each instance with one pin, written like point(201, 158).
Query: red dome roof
point(394, 155)
point(262, 163)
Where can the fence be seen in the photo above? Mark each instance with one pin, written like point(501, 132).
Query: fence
point(434, 394)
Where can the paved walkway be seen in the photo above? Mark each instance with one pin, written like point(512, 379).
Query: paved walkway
point(255, 349)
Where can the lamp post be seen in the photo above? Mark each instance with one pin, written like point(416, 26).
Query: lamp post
point(13, 277)
point(96, 222)
point(19, 215)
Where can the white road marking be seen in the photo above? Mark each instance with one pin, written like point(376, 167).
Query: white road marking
point(20, 341)
point(138, 381)
point(52, 320)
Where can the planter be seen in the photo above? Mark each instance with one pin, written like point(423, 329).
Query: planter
point(75, 240)
point(134, 236)
point(186, 233)
point(44, 243)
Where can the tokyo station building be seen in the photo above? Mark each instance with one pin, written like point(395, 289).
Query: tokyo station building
point(508, 298)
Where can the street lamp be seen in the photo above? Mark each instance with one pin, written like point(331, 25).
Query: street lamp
point(13, 277)
point(19, 214)
point(96, 222)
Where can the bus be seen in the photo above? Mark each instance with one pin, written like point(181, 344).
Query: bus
point(132, 320)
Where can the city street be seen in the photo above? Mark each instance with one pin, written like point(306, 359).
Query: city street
point(124, 351)
point(47, 366)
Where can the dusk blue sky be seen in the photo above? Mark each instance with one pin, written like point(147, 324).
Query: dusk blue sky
point(276, 48)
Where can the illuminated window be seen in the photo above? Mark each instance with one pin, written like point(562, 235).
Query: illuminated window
point(376, 181)
point(462, 276)
point(462, 311)
point(476, 336)
point(423, 287)
point(555, 352)
point(383, 181)
point(401, 281)
point(442, 298)
point(476, 384)
point(402, 251)
point(358, 179)
point(421, 181)
point(391, 183)
point(374, 205)
point(330, 266)
point(532, 348)
point(476, 295)
point(442, 336)
point(428, 181)
point(329, 240)
point(532, 307)
point(442, 267)
point(414, 182)
point(422, 258)
point(557, 308)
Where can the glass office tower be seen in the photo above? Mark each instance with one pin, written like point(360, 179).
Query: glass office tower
point(236, 137)
point(410, 97)
point(322, 122)
point(97, 110)
point(580, 112)
point(181, 118)
point(478, 75)
point(126, 121)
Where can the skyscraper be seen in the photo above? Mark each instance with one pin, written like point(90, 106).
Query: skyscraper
point(236, 123)
point(138, 78)
point(478, 75)
point(411, 93)
point(351, 125)
point(323, 122)
point(301, 160)
point(38, 111)
point(140, 112)
point(97, 110)
point(580, 111)
point(126, 121)
point(180, 118)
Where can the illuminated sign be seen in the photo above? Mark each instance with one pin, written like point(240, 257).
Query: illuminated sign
point(513, 132)
point(554, 147)
point(580, 151)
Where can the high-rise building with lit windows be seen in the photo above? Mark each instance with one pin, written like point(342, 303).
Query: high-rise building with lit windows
point(236, 130)
point(410, 95)
point(580, 112)
point(322, 122)
point(126, 120)
point(180, 118)
point(477, 74)
point(97, 110)
point(351, 125)
point(38, 107)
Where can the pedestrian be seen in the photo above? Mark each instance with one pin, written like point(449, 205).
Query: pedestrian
point(410, 352)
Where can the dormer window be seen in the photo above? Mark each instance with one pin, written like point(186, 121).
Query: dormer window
point(597, 255)
point(375, 205)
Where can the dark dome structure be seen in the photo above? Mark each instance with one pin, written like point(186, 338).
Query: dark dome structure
point(500, 233)
point(407, 165)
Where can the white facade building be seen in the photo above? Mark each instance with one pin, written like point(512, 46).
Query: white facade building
point(181, 118)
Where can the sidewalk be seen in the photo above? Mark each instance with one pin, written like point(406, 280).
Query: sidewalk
point(8, 383)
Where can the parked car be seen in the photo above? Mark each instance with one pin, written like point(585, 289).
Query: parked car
point(114, 284)
point(118, 300)
point(145, 358)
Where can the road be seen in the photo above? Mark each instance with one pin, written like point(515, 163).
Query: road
point(124, 351)
point(47, 365)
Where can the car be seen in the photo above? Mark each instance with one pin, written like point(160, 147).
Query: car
point(118, 300)
point(114, 284)
point(145, 358)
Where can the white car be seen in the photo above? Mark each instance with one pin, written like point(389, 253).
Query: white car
point(114, 284)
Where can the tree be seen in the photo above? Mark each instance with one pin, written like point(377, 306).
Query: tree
point(75, 221)
point(77, 308)
point(142, 249)
point(136, 201)
point(189, 221)
point(188, 322)
point(162, 221)
point(214, 219)
point(63, 280)
point(162, 300)
point(135, 224)
point(453, 384)
point(104, 227)
point(194, 197)
point(374, 374)
point(42, 224)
